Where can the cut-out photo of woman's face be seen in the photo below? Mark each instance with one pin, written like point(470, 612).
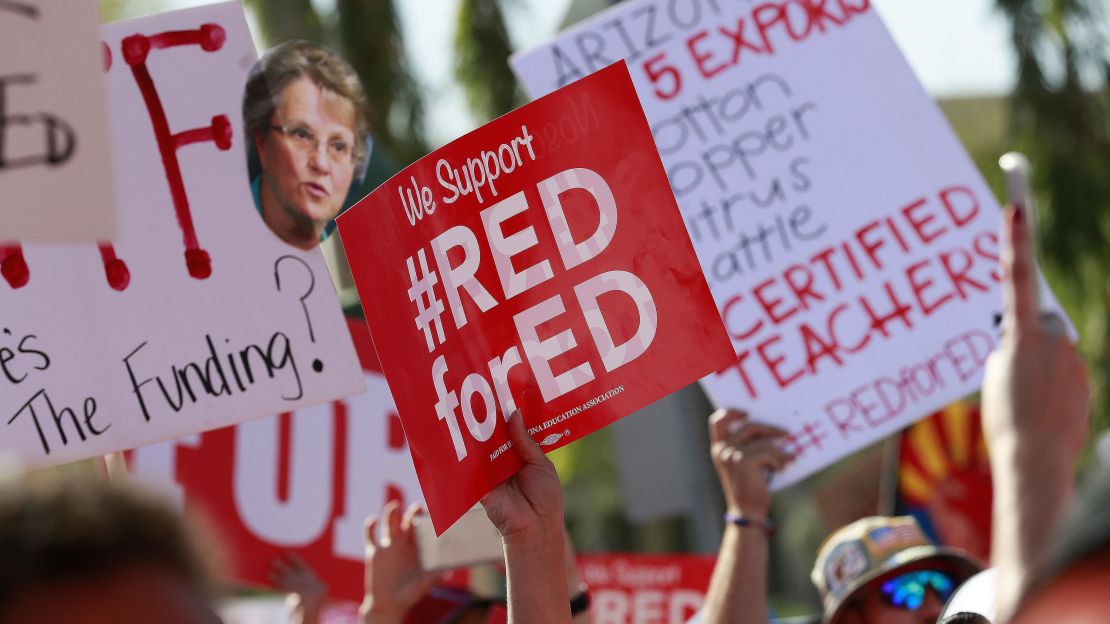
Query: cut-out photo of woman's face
point(308, 139)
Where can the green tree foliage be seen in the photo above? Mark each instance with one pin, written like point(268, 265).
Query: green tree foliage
point(282, 20)
point(1059, 118)
point(114, 10)
point(482, 63)
point(367, 34)
point(371, 37)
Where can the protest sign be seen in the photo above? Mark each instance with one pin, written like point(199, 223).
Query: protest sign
point(554, 274)
point(196, 316)
point(645, 589)
point(273, 610)
point(847, 238)
point(55, 158)
point(302, 481)
point(624, 589)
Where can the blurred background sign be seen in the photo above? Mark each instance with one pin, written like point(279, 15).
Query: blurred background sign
point(944, 478)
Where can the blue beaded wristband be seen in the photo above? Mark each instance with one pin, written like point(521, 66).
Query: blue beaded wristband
point(767, 526)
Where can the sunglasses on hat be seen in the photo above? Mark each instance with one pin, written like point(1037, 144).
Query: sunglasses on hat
point(908, 590)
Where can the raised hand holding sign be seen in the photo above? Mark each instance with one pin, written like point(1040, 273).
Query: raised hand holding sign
point(538, 263)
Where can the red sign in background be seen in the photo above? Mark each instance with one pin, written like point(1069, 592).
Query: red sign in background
point(301, 481)
point(624, 589)
point(539, 262)
point(645, 589)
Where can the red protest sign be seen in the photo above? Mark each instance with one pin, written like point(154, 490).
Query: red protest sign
point(539, 262)
point(645, 589)
point(302, 481)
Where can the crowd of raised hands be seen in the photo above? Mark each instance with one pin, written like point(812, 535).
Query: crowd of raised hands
point(527, 510)
point(125, 557)
point(1035, 407)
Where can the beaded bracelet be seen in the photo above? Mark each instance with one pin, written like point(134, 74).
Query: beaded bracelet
point(766, 525)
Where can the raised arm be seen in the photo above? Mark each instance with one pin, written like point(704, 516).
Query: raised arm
point(527, 509)
point(744, 454)
point(306, 594)
point(1036, 405)
point(394, 579)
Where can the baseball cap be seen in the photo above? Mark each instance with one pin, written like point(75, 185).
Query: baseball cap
point(877, 548)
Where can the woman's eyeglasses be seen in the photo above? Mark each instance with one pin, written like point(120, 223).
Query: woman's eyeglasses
point(908, 590)
point(305, 141)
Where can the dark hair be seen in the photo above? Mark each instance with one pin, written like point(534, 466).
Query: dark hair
point(301, 59)
point(965, 617)
point(69, 529)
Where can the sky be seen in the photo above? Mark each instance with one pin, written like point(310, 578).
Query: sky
point(956, 47)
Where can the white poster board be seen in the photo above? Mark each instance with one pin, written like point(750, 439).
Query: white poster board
point(849, 242)
point(55, 158)
point(304, 481)
point(196, 316)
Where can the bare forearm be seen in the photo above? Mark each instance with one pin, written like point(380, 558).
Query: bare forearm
point(1032, 492)
point(367, 614)
point(305, 616)
point(738, 590)
point(535, 594)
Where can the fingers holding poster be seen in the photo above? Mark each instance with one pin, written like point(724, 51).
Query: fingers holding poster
point(211, 320)
point(550, 274)
point(849, 243)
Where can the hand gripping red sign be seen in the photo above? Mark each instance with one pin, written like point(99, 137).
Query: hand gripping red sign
point(538, 263)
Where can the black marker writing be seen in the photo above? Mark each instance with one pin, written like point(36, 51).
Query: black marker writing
point(20, 8)
point(58, 417)
point(59, 140)
point(17, 362)
point(217, 375)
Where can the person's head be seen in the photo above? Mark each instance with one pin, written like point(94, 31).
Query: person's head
point(883, 570)
point(307, 128)
point(85, 551)
point(977, 595)
point(1075, 591)
point(965, 617)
